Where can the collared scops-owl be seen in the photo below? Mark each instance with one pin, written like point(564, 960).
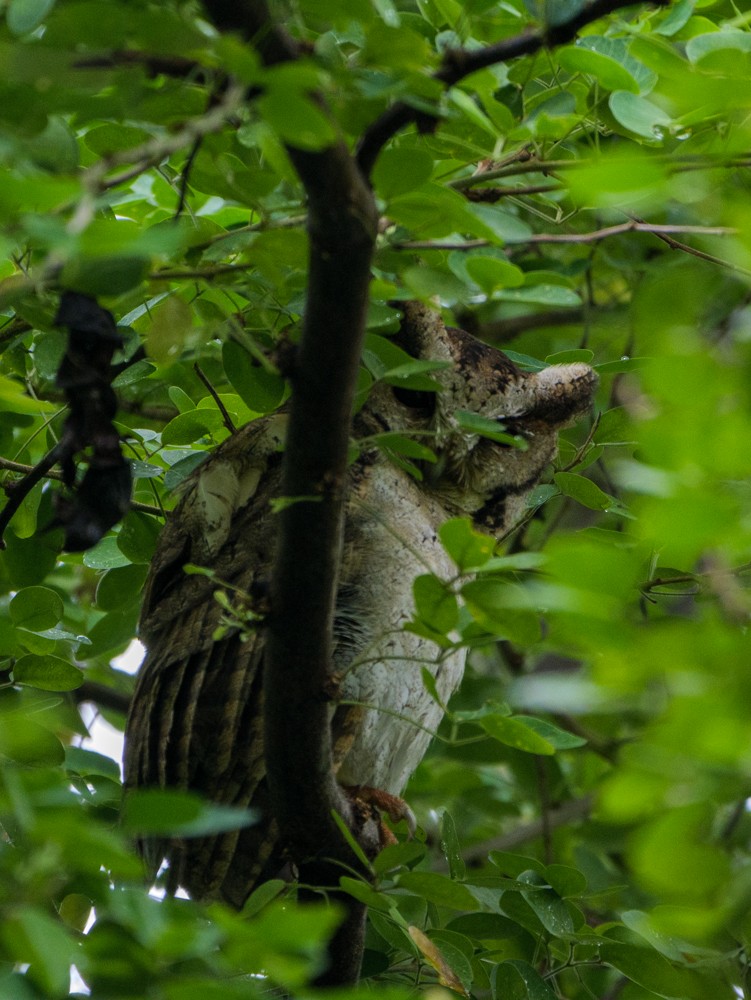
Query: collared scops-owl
point(196, 720)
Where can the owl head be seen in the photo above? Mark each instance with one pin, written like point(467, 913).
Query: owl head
point(474, 474)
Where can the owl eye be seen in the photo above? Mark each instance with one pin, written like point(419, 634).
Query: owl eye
point(414, 399)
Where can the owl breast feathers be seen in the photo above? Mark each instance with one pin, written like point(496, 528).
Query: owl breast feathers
point(196, 720)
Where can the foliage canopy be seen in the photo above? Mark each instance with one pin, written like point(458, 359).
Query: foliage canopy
point(584, 807)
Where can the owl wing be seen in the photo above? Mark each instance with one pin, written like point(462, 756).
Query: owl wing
point(196, 715)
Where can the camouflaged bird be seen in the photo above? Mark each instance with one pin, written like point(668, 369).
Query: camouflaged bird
point(196, 720)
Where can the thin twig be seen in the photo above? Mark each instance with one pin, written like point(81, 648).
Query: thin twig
point(50, 473)
point(528, 165)
point(655, 229)
point(531, 165)
point(155, 65)
point(185, 176)
point(228, 422)
point(490, 195)
point(701, 254)
point(205, 274)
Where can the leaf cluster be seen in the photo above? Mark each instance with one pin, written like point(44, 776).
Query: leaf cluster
point(583, 804)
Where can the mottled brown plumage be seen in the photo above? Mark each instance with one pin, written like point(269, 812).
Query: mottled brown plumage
point(196, 718)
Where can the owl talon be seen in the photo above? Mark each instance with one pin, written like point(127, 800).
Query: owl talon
point(395, 808)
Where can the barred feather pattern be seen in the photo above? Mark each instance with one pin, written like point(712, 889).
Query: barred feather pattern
point(196, 720)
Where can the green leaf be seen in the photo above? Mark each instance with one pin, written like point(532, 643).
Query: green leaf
point(639, 115)
point(106, 275)
point(263, 895)
point(491, 429)
point(513, 563)
point(299, 120)
point(171, 326)
point(25, 15)
point(491, 273)
point(188, 427)
point(555, 736)
point(630, 182)
point(105, 555)
point(468, 548)
point(26, 742)
point(31, 936)
point(426, 282)
point(474, 114)
point(490, 603)
point(351, 839)
point(514, 732)
point(181, 399)
point(541, 295)
point(438, 889)
point(392, 442)
point(620, 49)
point(404, 854)
point(547, 905)
point(262, 390)
point(388, 362)
point(120, 586)
point(145, 470)
point(46, 672)
point(701, 48)
point(610, 74)
point(27, 561)
point(138, 536)
point(428, 678)
point(365, 893)
point(436, 603)
point(565, 880)
point(399, 170)
point(55, 148)
point(133, 373)
point(111, 632)
point(486, 927)
point(587, 493)
point(517, 980)
point(167, 812)
point(655, 973)
point(107, 139)
point(412, 375)
point(451, 848)
point(87, 762)
point(526, 362)
point(36, 608)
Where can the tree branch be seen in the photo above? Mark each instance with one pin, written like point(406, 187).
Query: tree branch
point(526, 163)
point(459, 63)
point(342, 228)
point(44, 470)
point(102, 696)
point(154, 65)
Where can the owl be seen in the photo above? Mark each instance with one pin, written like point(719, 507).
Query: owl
point(196, 721)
